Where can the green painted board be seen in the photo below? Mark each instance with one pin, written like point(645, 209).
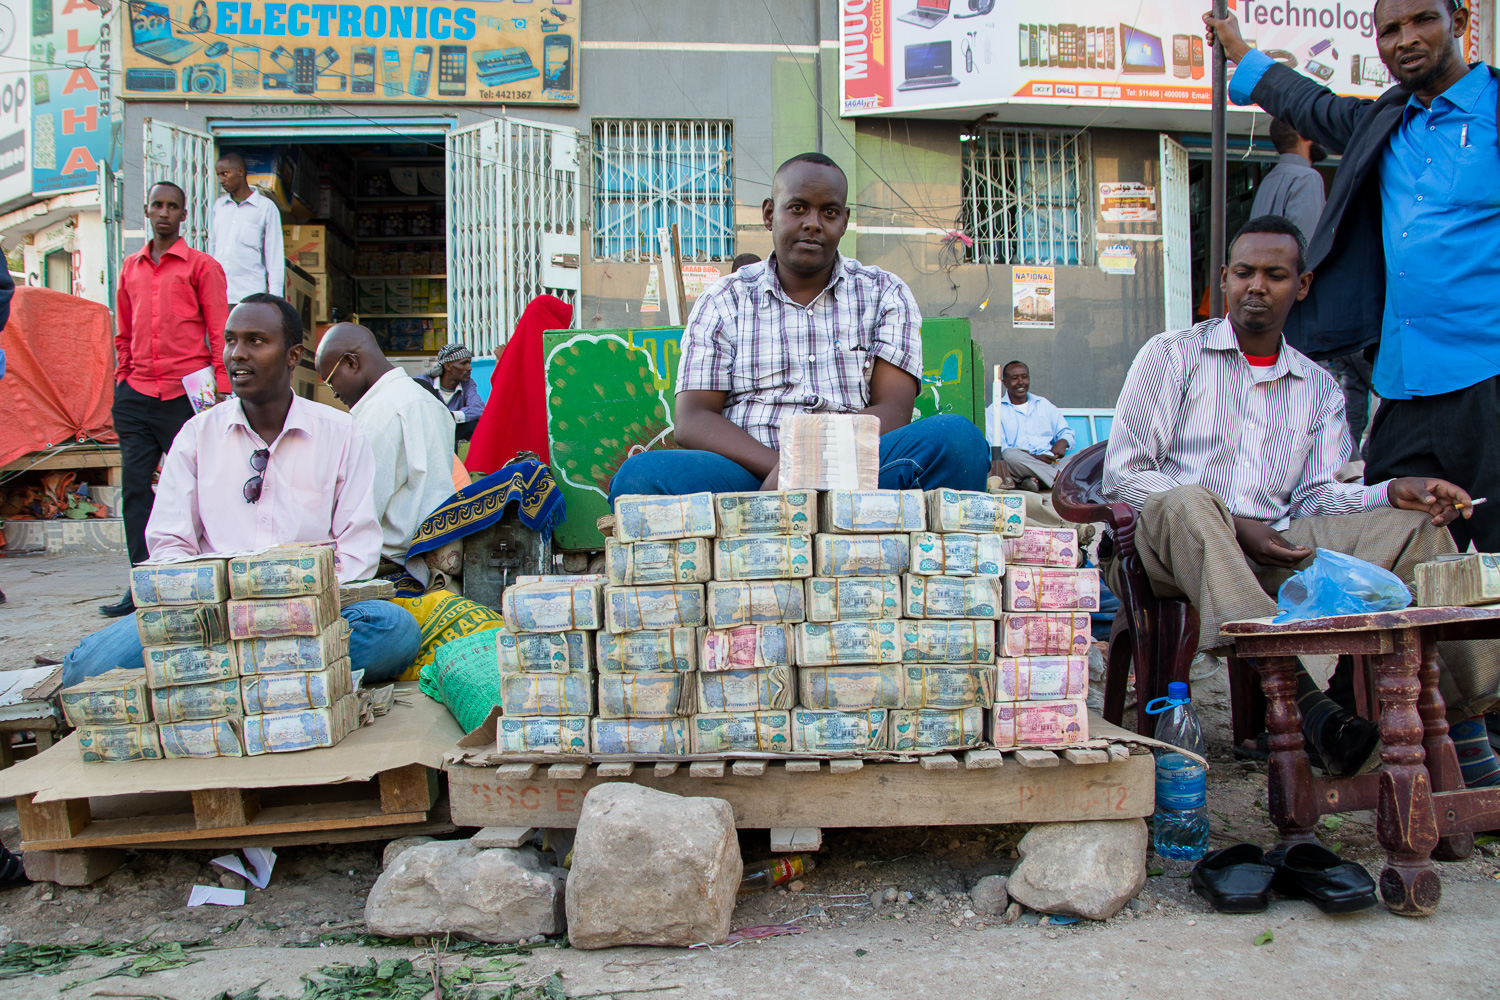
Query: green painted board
point(609, 396)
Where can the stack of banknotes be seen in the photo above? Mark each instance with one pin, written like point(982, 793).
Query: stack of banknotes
point(838, 621)
point(244, 654)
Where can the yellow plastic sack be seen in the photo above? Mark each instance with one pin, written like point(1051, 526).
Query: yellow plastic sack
point(444, 616)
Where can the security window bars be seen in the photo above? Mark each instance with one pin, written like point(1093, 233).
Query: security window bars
point(650, 174)
point(1027, 196)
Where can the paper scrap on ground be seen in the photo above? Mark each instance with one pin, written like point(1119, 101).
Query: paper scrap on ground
point(262, 860)
point(213, 895)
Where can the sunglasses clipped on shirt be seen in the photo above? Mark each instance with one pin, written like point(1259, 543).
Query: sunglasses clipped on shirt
point(258, 460)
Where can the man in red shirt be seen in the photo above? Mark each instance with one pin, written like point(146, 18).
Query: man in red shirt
point(169, 322)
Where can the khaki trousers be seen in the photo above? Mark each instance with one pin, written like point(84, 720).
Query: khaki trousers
point(1020, 463)
point(1187, 545)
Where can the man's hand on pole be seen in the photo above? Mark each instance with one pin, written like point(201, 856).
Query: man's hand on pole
point(1226, 30)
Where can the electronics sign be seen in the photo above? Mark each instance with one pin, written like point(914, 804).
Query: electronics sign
point(481, 52)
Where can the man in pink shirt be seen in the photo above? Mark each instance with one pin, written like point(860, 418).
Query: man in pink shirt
point(268, 468)
point(169, 315)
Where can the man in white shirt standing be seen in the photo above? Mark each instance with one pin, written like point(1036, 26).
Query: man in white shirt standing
point(409, 431)
point(245, 237)
point(1028, 435)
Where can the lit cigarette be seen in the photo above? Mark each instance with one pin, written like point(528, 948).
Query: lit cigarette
point(1473, 503)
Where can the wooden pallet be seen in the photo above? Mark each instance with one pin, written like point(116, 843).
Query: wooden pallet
point(796, 799)
point(393, 804)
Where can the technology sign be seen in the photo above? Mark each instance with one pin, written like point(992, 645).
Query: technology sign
point(489, 51)
point(910, 55)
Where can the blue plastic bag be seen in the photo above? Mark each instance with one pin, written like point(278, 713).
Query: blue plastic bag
point(1339, 584)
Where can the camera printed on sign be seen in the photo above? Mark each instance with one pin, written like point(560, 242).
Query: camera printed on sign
point(950, 53)
point(511, 51)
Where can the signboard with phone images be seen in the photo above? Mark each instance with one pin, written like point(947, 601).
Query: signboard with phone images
point(910, 55)
point(484, 51)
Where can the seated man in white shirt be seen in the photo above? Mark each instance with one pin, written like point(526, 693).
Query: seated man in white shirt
point(1028, 435)
point(264, 468)
point(410, 432)
point(1226, 441)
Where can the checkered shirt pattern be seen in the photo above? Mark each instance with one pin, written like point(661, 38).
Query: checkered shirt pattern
point(773, 357)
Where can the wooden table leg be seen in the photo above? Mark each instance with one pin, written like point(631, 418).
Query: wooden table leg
point(1441, 756)
point(1290, 784)
point(1404, 818)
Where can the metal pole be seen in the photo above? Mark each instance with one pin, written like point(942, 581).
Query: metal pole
point(1218, 177)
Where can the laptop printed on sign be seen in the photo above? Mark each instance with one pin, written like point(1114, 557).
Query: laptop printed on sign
point(1142, 51)
point(929, 64)
point(151, 34)
point(927, 13)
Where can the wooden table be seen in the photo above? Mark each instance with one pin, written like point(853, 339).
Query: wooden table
point(1422, 810)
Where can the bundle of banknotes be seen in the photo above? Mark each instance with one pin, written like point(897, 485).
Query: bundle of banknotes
point(1038, 546)
point(862, 555)
point(1041, 588)
point(829, 451)
point(1039, 723)
point(673, 649)
point(1045, 633)
point(679, 560)
point(653, 737)
point(821, 645)
point(853, 598)
point(932, 729)
point(952, 596)
point(958, 553)
point(874, 512)
point(961, 510)
point(746, 647)
point(836, 732)
point(1456, 581)
point(652, 518)
point(646, 694)
point(552, 606)
point(1042, 678)
point(763, 557)
point(781, 512)
point(283, 571)
point(544, 652)
point(195, 581)
point(756, 689)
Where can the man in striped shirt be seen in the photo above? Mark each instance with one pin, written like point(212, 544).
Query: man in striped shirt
point(1226, 440)
point(807, 330)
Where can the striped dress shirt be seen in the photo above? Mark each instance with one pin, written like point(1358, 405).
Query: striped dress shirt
point(773, 357)
point(1193, 412)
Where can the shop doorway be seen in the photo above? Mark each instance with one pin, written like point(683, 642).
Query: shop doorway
point(1247, 165)
point(425, 232)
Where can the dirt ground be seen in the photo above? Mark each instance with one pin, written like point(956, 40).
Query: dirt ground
point(860, 939)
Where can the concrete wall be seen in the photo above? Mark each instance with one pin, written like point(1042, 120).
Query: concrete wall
point(904, 173)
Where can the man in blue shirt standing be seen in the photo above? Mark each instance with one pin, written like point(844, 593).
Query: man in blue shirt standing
point(1407, 252)
point(1407, 257)
point(1028, 435)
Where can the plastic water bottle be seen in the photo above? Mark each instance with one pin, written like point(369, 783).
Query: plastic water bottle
point(1179, 829)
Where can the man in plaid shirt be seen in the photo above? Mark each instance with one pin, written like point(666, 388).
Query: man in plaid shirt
point(807, 330)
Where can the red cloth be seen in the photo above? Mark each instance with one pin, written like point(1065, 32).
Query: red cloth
point(171, 318)
point(59, 373)
point(515, 418)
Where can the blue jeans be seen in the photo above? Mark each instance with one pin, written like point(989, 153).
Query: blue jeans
point(941, 452)
point(383, 641)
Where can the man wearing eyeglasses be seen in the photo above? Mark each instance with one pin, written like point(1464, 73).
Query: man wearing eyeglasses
point(268, 468)
point(410, 433)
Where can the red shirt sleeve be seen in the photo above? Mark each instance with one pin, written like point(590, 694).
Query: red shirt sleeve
point(124, 321)
point(213, 294)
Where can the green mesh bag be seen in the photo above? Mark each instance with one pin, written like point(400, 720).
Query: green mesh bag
point(465, 676)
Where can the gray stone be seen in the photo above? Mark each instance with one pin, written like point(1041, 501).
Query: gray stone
point(1081, 869)
point(452, 887)
point(989, 895)
point(394, 848)
point(652, 868)
point(71, 867)
point(229, 880)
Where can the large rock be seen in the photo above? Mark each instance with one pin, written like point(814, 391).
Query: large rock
point(652, 868)
point(1081, 869)
point(450, 886)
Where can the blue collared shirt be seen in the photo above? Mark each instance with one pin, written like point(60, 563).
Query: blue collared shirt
point(1033, 426)
point(1440, 220)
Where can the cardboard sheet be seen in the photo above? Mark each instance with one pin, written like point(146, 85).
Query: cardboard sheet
point(417, 732)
